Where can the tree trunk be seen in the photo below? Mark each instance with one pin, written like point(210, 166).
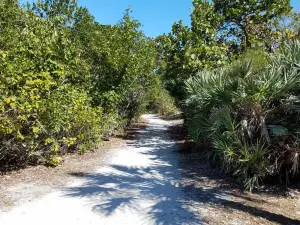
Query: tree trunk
point(247, 39)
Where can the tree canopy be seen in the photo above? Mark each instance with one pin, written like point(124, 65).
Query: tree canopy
point(68, 81)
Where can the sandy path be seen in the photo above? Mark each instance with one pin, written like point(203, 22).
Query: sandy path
point(139, 184)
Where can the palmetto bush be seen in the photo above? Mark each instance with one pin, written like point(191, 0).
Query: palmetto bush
point(248, 113)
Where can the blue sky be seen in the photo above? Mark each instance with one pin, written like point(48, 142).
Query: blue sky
point(156, 16)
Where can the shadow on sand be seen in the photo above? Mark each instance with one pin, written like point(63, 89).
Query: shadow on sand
point(157, 187)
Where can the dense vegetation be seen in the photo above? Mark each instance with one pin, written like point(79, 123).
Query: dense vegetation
point(67, 81)
point(235, 74)
point(250, 116)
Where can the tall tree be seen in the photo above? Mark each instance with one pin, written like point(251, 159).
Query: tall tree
point(189, 49)
point(250, 22)
point(205, 50)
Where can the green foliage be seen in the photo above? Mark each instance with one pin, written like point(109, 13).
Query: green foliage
point(123, 63)
point(258, 57)
point(247, 112)
point(67, 81)
point(205, 50)
point(54, 161)
point(160, 102)
point(251, 23)
point(221, 30)
point(293, 22)
point(189, 49)
point(243, 103)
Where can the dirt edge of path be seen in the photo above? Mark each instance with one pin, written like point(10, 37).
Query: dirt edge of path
point(25, 185)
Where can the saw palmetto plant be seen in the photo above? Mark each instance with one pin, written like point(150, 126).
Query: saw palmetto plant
point(250, 116)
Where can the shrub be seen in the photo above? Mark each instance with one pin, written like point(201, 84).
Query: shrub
point(67, 81)
point(248, 113)
point(162, 103)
